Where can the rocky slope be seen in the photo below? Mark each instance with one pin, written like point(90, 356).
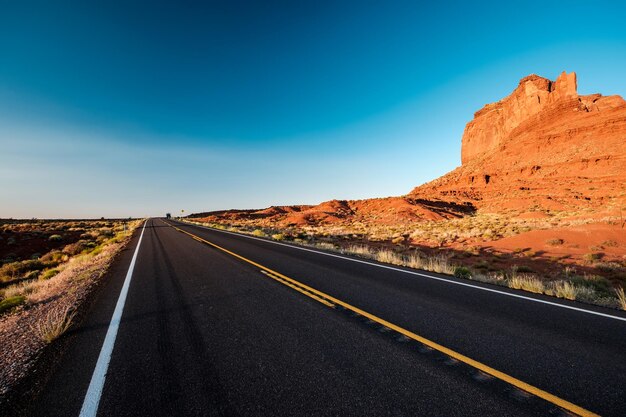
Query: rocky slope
point(542, 146)
point(380, 211)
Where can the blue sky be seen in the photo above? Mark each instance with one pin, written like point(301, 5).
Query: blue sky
point(139, 108)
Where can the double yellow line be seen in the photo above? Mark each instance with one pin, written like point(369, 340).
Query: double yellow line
point(331, 301)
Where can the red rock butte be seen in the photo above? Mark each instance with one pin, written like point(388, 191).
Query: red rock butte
point(543, 145)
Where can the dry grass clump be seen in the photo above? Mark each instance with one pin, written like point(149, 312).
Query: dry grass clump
point(621, 297)
point(416, 261)
point(325, 246)
point(440, 265)
point(359, 250)
point(23, 288)
point(389, 257)
point(564, 289)
point(56, 322)
point(527, 283)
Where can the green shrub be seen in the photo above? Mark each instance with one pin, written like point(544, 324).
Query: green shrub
point(48, 273)
point(599, 284)
point(55, 238)
point(592, 257)
point(259, 233)
point(10, 302)
point(462, 272)
point(278, 236)
point(18, 269)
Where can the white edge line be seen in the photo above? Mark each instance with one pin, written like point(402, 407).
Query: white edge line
point(94, 392)
point(419, 274)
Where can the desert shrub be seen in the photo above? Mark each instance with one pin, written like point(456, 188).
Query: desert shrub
point(10, 302)
point(462, 272)
point(597, 283)
point(74, 248)
point(592, 257)
point(10, 271)
point(258, 232)
point(397, 240)
point(524, 268)
point(55, 238)
point(23, 288)
point(53, 257)
point(96, 250)
point(18, 269)
point(278, 236)
point(11, 241)
point(48, 273)
point(555, 242)
point(106, 232)
point(586, 294)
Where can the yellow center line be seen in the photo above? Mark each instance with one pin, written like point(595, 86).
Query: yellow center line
point(313, 296)
point(330, 300)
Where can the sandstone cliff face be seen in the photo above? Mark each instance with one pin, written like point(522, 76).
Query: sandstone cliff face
point(494, 122)
point(542, 145)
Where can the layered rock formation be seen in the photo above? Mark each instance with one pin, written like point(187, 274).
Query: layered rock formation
point(543, 145)
point(493, 123)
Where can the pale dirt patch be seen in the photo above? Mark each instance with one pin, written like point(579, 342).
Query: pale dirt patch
point(608, 239)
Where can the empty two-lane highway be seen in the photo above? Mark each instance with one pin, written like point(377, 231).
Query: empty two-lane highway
point(207, 326)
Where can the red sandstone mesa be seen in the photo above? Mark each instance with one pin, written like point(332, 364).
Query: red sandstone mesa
point(544, 146)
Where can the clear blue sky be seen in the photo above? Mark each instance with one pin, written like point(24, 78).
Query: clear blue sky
point(138, 108)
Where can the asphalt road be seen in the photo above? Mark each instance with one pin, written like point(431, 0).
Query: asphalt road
point(206, 333)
